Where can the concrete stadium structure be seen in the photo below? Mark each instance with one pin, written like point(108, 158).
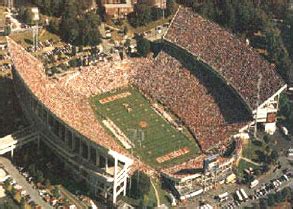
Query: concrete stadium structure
point(60, 110)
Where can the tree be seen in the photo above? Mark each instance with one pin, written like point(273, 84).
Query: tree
point(26, 15)
point(7, 30)
point(54, 25)
point(271, 200)
point(22, 203)
point(47, 183)
point(266, 138)
point(170, 7)
point(243, 16)
point(39, 176)
point(141, 15)
point(228, 14)
point(287, 193)
point(279, 197)
point(70, 30)
point(140, 185)
point(157, 13)
point(274, 155)
point(143, 46)
point(209, 10)
point(263, 203)
point(56, 192)
point(89, 33)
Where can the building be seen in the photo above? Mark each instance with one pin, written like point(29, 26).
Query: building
point(121, 8)
point(155, 3)
point(118, 8)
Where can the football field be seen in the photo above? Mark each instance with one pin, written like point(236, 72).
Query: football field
point(154, 140)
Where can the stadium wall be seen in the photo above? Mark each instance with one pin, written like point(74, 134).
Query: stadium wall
point(104, 171)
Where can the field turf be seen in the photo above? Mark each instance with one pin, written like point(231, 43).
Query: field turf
point(157, 137)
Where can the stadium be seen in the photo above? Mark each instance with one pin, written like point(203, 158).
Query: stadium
point(173, 116)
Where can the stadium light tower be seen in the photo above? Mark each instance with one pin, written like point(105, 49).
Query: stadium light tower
point(36, 18)
point(257, 103)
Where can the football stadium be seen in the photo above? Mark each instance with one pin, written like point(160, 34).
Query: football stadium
point(171, 116)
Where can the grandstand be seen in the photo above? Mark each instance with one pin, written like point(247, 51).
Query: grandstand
point(238, 64)
point(163, 116)
point(192, 101)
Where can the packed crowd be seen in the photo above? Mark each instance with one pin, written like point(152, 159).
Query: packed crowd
point(102, 78)
point(74, 109)
point(172, 155)
point(234, 60)
point(194, 103)
point(191, 101)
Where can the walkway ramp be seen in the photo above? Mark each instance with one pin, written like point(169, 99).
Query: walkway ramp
point(17, 139)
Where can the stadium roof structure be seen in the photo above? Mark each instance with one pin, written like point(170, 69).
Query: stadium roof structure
point(238, 64)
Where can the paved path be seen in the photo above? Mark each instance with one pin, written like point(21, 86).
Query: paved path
point(14, 173)
point(156, 192)
point(250, 161)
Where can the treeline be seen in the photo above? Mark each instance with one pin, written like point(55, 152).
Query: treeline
point(78, 29)
point(56, 7)
point(247, 17)
point(144, 14)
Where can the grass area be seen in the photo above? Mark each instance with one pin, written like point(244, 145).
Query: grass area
point(147, 27)
point(26, 38)
point(251, 149)
point(243, 164)
point(150, 200)
point(132, 30)
point(159, 137)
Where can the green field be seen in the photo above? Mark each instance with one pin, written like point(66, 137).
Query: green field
point(159, 137)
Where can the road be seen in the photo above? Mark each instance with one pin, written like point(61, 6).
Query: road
point(14, 173)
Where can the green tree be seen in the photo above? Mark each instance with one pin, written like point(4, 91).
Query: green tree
point(228, 14)
point(140, 185)
point(279, 197)
point(263, 203)
point(89, 33)
point(22, 203)
point(274, 155)
point(7, 30)
point(170, 7)
point(157, 13)
point(54, 25)
point(271, 200)
point(141, 15)
point(143, 46)
point(209, 10)
point(56, 192)
point(287, 193)
point(244, 16)
point(47, 183)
